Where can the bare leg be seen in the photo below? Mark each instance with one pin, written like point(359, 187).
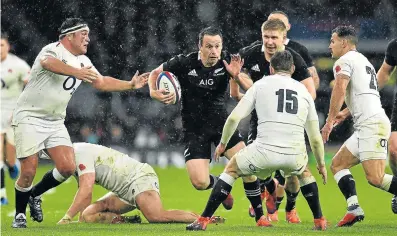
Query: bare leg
point(149, 203)
point(105, 209)
point(10, 154)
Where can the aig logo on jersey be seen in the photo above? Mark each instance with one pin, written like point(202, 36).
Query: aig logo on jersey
point(206, 82)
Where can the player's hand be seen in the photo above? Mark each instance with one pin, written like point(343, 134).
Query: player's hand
point(138, 81)
point(340, 117)
point(219, 151)
point(326, 130)
point(86, 74)
point(162, 96)
point(322, 170)
point(65, 220)
point(234, 68)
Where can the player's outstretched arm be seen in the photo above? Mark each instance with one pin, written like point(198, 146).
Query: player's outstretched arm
point(316, 143)
point(58, 67)
point(384, 74)
point(110, 84)
point(160, 94)
point(82, 199)
point(337, 98)
point(244, 81)
point(316, 78)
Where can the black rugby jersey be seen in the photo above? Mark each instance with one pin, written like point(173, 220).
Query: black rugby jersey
point(391, 53)
point(203, 89)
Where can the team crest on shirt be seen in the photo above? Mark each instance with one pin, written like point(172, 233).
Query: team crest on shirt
point(82, 167)
point(9, 70)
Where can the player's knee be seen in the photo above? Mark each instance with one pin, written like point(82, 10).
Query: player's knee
point(67, 169)
point(154, 217)
point(27, 175)
point(375, 180)
point(87, 217)
point(334, 166)
point(200, 184)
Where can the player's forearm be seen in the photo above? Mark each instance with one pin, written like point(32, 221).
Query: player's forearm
point(81, 201)
point(316, 78)
point(337, 98)
point(152, 78)
point(229, 128)
point(316, 143)
point(244, 81)
point(110, 84)
point(309, 84)
point(57, 66)
point(382, 76)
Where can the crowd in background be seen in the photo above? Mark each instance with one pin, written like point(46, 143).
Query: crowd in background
point(138, 35)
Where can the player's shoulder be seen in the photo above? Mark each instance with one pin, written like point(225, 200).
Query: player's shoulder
point(52, 46)
point(250, 50)
point(295, 45)
point(18, 61)
point(392, 45)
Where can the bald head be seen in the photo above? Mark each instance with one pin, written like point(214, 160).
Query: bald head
point(279, 15)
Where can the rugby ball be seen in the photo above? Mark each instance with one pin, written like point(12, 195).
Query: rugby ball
point(168, 81)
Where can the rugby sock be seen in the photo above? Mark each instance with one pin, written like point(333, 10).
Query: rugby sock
point(278, 201)
point(213, 180)
point(279, 176)
point(218, 194)
point(12, 168)
point(347, 186)
point(3, 186)
point(309, 190)
point(271, 186)
point(291, 200)
point(253, 193)
point(50, 180)
point(262, 183)
point(389, 183)
point(21, 199)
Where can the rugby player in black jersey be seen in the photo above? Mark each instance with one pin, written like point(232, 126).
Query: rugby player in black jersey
point(389, 64)
point(294, 45)
point(204, 77)
point(256, 65)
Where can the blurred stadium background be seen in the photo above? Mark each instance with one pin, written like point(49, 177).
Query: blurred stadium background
point(138, 35)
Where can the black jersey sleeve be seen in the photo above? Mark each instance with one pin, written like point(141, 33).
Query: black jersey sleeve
point(304, 53)
point(176, 65)
point(391, 53)
point(244, 50)
point(301, 71)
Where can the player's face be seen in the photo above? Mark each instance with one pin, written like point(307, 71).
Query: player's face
point(272, 40)
point(281, 17)
point(210, 49)
point(336, 46)
point(5, 48)
point(80, 41)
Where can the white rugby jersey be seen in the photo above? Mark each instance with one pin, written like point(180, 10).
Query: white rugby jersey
point(112, 168)
point(46, 96)
point(362, 96)
point(283, 106)
point(14, 71)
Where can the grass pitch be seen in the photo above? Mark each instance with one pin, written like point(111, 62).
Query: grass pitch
point(177, 193)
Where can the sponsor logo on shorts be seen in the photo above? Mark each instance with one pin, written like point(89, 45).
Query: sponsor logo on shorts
point(383, 142)
point(252, 167)
point(156, 185)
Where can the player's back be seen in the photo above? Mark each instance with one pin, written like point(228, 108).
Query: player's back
point(283, 106)
point(362, 96)
point(112, 168)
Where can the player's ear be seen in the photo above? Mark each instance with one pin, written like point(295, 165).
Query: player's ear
point(271, 70)
point(292, 69)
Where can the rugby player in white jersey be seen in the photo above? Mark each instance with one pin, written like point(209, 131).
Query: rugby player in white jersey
point(132, 185)
point(38, 120)
point(356, 84)
point(14, 75)
point(286, 112)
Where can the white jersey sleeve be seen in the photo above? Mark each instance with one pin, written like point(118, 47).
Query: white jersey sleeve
point(344, 67)
point(312, 114)
point(85, 161)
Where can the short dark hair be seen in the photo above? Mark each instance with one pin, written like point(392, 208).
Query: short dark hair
point(70, 22)
point(4, 35)
point(348, 32)
point(282, 61)
point(281, 13)
point(274, 24)
point(213, 31)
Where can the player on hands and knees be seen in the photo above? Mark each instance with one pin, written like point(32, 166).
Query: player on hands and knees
point(383, 76)
point(288, 109)
point(132, 185)
point(38, 119)
point(204, 77)
point(14, 75)
point(256, 65)
point(356, 84)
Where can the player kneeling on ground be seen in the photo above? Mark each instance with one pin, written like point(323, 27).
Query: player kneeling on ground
point(132, 184)
point(280, 145)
